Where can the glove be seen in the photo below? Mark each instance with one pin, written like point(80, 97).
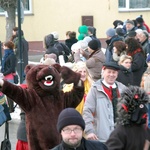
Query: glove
point(69, 76)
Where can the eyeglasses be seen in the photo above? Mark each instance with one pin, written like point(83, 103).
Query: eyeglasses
point(75, 130)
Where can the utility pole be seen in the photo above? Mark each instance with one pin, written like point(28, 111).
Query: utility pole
point(20, 61)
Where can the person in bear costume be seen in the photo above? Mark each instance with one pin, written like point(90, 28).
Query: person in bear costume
point(43, 101)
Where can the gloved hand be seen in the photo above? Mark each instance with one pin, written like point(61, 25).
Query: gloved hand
point(69, 76)
point(1, 79)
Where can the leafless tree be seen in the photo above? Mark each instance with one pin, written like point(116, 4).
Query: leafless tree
point(10, 7)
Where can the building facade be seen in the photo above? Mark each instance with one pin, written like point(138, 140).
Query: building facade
point(44, 16)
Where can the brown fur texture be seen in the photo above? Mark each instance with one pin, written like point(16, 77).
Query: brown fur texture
point(43, 101)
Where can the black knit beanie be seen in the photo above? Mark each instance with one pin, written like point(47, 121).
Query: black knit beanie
point(93, 44)
point(69, 116)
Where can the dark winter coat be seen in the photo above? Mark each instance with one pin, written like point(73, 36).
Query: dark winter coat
point(24, 53)
point(146, 47)
point(70, 42)
point(125, 76)
point(109, 49)
point(9, 65)
point(62, 50)
point(85, 145)
point(128, 138)
point(138, 67)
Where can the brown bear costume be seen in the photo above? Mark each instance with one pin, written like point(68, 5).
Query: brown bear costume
point(43, 101)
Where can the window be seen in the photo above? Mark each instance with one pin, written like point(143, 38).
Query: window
point(27, 7)
point(134, 5)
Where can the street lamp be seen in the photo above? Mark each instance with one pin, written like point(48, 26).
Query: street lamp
point(20, 61)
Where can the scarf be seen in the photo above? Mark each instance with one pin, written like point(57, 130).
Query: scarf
point(113, 94)
point(7, 52)
point(134, 52)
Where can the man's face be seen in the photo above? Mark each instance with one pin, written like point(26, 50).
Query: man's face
point(129, 26)
point(72, 135)
point(141, 37)
point(110, 75)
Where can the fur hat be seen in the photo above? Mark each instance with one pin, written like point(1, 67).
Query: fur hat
point(93, 44)
point(139, 20)
point(110, 32)
point(70, 116)
point(132, 106)
point(111, 65)
point(117, 22)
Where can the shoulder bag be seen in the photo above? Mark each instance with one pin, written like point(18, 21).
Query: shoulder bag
point(5, 144)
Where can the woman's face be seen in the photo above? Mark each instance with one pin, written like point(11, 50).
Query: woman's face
point(126, 63)
point(5, 47)
point(83, 73)
point(115, 49)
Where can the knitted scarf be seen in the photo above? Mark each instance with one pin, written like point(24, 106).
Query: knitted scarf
point(7, 52)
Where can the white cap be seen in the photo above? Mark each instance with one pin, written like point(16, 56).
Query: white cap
point(83, 44)
point(75, 47)
point(55, 34)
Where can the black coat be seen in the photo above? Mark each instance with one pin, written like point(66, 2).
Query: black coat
point(85, 145)
point(125, 76)
point(128, 138)
point(24, 53)
point(109, 49)
point(70, 42)
point(10, 65)
point(138, 67)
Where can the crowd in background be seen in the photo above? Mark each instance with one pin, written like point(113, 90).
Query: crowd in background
point(106, 73)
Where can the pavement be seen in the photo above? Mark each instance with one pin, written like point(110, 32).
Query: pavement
point(13, 126)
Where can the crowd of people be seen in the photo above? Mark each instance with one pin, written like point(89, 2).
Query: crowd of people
point(115, 107)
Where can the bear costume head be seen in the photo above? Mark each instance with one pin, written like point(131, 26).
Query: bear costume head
point(45, 79)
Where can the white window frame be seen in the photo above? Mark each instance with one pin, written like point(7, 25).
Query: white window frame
point(30, 8)
point(127, 9)
point(26, 12)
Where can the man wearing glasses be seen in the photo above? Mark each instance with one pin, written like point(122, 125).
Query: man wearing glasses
point(71, 126)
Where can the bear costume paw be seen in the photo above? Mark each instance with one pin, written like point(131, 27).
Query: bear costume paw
point(69, 76)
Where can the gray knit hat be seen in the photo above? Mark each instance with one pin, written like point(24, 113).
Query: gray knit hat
point(69, 116)
point(110, 32)
point(131, 22)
